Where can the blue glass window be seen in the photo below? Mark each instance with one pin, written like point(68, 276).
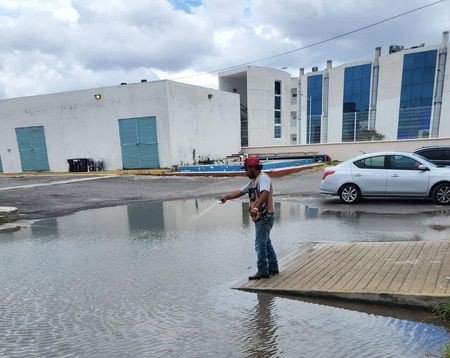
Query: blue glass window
point(356, 101)
point(277, 132)
point(314, 109)
point(416, 97)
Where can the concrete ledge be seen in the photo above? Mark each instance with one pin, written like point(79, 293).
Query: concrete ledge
point(9, 212)
point(6, 228)
point(105, 172)
point(272, 172)
point(405, 300)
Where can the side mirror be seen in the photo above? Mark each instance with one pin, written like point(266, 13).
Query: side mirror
point(423, 168)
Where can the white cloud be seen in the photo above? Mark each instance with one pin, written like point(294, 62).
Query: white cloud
point(55, 45)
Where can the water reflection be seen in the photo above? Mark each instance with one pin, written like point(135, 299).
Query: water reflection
point(153, 280)
point(262, 338)
point(45, 229)
point(148, 216)
point(292, 219)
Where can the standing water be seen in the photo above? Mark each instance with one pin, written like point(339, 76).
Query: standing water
point(153, 280)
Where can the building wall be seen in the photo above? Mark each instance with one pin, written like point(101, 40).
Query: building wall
point(344, 151)
point(260, 97)
point(335, 104)
point(77, 125)
point(293, 104)
point(211, 126)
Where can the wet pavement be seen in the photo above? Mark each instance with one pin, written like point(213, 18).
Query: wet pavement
point(56, 200)
point(153, 280)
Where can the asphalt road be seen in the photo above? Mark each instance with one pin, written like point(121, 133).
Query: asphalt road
point(56, 200)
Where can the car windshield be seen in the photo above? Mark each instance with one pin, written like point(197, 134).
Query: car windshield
point(426, 160)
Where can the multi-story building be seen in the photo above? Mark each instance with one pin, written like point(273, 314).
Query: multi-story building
point(402, 95)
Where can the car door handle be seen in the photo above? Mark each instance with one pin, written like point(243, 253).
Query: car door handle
point(395, 175)
point(358, 175)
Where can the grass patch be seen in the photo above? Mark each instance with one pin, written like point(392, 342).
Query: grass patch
point(442, 311)
point(446, 351)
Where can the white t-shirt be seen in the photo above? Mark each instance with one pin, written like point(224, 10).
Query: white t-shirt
point(254, 189)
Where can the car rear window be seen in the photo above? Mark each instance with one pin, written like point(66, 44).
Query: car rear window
point(371, 163)
point(434, 154)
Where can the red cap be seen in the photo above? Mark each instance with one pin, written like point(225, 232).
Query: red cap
point(252, 161)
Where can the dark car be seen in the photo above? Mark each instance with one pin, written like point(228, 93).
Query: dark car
point(437, 155)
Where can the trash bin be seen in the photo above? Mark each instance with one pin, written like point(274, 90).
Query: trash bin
point(71, 165)
point(99, 165)
point(78, 164)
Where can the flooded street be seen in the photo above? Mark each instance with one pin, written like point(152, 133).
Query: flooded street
point(153, 280)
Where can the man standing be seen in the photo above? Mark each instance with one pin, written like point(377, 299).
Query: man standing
point(260, 193)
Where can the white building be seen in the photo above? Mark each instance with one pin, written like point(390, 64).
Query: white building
point(402, 95)
point(141, 125)
point(265, 112)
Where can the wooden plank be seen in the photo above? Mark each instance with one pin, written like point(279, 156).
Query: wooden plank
point(294, 266)
point(392, 275)
point(414, 273)
point(436, 264)
point(363, 268)
point(442, 284)
point(316, 270)
point(342, 269)
point(371, 286)
point(314, 257)
point(405, 268)
point(426, 263)
point(374, 270)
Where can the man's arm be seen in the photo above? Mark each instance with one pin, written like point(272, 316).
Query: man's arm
point(234, 195)
point(263, 198)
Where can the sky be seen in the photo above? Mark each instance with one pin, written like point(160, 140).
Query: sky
point(59, 45)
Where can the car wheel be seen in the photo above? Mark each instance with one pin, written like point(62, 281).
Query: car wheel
point(441, 194)
point(350, 194)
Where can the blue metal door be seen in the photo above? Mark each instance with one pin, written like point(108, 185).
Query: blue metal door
point(32, 148)
point(139, 143)
point(1, 166)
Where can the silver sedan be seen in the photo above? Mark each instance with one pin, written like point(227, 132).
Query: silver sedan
point(388, 174)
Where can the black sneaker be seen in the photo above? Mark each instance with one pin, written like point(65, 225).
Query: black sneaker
point(258, 276)
point(273, 273)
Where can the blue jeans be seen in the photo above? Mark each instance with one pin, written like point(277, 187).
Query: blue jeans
point(267, 259)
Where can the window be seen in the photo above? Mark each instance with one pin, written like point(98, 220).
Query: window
point(294, 119)
point(416, 98)
point(277, 132)
point(277, 117)
point(293, 95)
point(278, 88)
point(314, 108)
point(433, 154)
point(293, 138)
point(356, 102)
point(400, 162)
point(277, 102)
point(277, 110)
point(371, 163)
